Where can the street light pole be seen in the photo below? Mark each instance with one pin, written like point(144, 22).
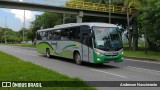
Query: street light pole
point(5, 28)
point(23, 25)
point(109, 11)
point(109, 6)
point(64, 18)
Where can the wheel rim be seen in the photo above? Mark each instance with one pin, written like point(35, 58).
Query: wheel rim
point(78, 60)
point(47, 53)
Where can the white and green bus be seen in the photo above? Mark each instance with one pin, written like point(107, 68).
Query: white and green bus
point(82, 42)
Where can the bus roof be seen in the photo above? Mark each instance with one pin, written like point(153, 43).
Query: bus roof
point(79, 24)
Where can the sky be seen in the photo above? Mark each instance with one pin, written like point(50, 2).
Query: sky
point(14, 18)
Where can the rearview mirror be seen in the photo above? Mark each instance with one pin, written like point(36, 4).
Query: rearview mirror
point(90, 35)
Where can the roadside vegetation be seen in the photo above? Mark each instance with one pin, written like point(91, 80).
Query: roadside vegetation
point(146, 19)
point(14, 69)
point(142, 54)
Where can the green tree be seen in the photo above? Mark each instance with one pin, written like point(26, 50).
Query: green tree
point(131, 4)
point(2, 34)
point(25, 31)
point(11, 36)
point(149, 22)
point(46, 20)
point(30, 35)
point(70, 18)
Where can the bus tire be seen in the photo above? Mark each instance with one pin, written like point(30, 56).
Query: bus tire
point(77, 58)
point(48, 53)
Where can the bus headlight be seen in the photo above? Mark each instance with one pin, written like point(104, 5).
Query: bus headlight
point(122, 58)
point(98, 59)
point(122, 52)
point(98, 53)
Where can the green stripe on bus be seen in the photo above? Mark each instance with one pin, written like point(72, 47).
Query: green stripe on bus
point(65, 48)
point(41, 47)
point(105, 59)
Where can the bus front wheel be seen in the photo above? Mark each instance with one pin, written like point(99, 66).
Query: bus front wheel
point(77, 59)
point(48, 53)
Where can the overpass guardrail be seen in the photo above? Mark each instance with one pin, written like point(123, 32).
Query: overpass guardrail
point(99, 7)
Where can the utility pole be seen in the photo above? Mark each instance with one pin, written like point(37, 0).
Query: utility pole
point(129, 31)
point(23, 25)
point(5, 28)
point(109, 6)
point(64, 17)
point(109, 11)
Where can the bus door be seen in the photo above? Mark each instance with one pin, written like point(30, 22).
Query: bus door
point(56, 43)
point(86, 46)
point(57, 48)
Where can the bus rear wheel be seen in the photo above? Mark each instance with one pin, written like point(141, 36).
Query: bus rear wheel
point(77, 59)
point(48, 53)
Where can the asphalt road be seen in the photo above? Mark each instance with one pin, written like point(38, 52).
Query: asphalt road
point(129, 70)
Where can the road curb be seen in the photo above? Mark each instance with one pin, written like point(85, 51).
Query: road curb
point(144, 59)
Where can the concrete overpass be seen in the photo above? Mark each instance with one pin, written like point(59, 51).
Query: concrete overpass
point(59, 9)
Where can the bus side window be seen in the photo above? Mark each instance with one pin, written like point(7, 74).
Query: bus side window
point(50, 35)
point(65, 34)
point(38, 36)
point(57, 35)
point(75, 33)
point(45, 36)
point(87, 40)
point(42, 35)
point(86, 36)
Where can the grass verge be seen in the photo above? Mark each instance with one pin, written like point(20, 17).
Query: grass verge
point(14, 69)
point(142, 54)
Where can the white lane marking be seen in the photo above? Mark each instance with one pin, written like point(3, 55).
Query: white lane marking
point(143, 61)
point(144, 69)
point(109, 73)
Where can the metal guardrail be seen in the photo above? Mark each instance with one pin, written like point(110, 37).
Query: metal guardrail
point(99, 7)
point(91, 6)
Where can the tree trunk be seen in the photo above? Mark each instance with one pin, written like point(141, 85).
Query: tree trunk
point(135, 36)
point(129, 31)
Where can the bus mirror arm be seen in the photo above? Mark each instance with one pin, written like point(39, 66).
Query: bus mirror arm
point(90, 35)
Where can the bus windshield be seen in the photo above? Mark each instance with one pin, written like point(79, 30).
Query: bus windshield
point(107, 38)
